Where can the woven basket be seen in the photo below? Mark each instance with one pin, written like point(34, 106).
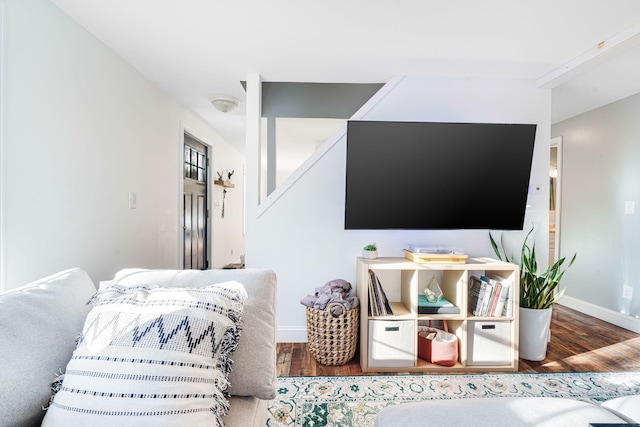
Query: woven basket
point(332, 340)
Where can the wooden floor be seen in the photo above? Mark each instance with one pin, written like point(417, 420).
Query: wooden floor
point(579, 343)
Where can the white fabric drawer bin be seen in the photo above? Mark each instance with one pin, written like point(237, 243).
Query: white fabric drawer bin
point(489, 343)
point(392, 343)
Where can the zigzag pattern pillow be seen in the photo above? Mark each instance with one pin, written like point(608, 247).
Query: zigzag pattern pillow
point(152, 356)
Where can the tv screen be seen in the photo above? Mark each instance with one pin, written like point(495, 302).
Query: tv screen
point(437, 176)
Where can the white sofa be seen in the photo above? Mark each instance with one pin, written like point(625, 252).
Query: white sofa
point(39, 324)
point(512, 412)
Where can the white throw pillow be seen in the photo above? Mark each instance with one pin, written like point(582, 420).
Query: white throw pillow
point(152, 356)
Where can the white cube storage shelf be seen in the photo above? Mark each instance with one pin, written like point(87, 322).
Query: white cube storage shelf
point(389, 343)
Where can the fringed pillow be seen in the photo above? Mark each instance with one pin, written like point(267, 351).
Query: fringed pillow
point(152, 356)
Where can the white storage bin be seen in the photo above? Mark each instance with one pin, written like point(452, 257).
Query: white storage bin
point(392, 343)
point(489, 343)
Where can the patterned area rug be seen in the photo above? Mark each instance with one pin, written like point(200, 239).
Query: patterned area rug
point(356, 401)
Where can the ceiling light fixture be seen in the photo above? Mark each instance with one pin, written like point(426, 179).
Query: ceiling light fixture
point(224, 103)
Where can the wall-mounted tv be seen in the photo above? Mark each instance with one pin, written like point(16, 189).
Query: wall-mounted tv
point(437, 176)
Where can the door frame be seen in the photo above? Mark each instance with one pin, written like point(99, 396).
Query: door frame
point(557, 142)
point(3, 152)
point(210, 229)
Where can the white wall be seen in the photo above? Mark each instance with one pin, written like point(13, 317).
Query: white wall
point(82, 129)
point(599, 173)
point(302, 237)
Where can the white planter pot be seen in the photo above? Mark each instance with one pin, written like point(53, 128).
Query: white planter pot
point(534, 333)
point(369, 254)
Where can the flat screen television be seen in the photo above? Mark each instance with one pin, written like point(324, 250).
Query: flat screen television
point(437, 176)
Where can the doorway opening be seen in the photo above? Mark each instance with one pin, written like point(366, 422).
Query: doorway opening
point(195, 204)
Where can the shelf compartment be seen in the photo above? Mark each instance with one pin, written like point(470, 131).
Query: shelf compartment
point(507, 276)
point(452, 283)
point(392, 343)
point(400, 312)
point(489, 342)
point(399, 286)
point(454, 326)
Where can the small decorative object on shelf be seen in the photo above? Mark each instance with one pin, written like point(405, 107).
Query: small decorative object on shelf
point(435, 254)
point(224, 182)
point(370, 251)
point(433, 291)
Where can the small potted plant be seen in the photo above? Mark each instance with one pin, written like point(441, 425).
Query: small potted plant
point(538, 292)
point(370, 251)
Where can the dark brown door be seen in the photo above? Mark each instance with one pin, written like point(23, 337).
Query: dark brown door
point(196, 168)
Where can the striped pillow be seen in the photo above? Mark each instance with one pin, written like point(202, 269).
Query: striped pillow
point(152, 356)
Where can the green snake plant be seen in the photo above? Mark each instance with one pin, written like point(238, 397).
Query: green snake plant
point(537, 290)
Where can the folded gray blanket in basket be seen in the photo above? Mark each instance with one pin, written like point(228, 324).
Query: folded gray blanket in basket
point(334, 291)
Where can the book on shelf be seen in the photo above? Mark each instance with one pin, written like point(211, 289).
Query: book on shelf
point(508, 303)
point(502, 299)
point(442, 306)
point(475, 294)
point(379, 304)
point(375, 301)
point(505, 302)
point(486, 298)
point(373, 306)
point(497, 289)
point(489, 296)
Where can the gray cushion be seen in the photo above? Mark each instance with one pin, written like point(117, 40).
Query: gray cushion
point(490, 412)
point(254, 369)
point(246, 412)
point(38, 326)
point(627, 407)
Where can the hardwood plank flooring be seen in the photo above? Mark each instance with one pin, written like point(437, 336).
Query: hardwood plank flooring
point(579, 343)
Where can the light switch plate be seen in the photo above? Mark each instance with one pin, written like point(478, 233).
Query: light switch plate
point(629, 207)
point(133, 200)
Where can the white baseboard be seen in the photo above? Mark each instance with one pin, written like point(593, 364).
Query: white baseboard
point(291, 334)
point(611, 316)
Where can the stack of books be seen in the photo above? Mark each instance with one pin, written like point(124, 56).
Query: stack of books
point(491, 296)
point(442, 306)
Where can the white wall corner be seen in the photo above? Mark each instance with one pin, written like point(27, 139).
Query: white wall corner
point(291, 334)
point(252, 156)
point(611, 316)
